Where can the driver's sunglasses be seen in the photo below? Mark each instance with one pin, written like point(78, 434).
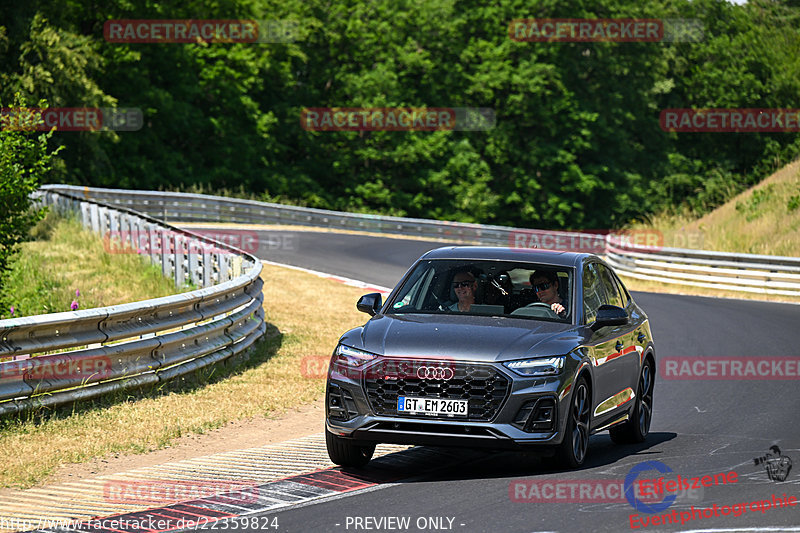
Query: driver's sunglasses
point(458, 284)
point(541, 287)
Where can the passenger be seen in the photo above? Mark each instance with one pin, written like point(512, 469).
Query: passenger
point(465, 287)
point(545, 285)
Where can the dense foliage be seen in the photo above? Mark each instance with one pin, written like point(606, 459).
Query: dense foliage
point(577, 142)
point(24, 160)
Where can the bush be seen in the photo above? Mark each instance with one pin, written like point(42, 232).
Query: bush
point(24, 160)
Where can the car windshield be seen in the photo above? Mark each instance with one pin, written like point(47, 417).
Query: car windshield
point(492, 288)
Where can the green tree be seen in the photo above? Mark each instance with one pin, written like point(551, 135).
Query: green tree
point(24, 161)
point(577, 142)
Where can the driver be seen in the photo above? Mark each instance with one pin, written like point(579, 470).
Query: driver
point(465, 286)
point(545, 285)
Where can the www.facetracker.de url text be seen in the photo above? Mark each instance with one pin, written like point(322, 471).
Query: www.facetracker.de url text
point(145, 523)
point(27, 524)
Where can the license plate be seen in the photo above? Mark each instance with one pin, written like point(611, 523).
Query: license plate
point(431, 406)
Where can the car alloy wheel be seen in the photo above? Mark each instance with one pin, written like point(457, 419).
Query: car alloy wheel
point(572, 451)
point(637, 427)
point(645, 406)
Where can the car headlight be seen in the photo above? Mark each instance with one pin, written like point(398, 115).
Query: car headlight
point(345, 355)
point(541, 366)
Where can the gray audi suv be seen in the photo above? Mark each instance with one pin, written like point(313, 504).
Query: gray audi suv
point(500, 348)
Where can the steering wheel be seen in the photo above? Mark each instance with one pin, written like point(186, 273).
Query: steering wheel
point(541, 304)
point(538, 304)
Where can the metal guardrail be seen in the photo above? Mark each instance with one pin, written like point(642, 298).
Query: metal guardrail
point(186, 207)
point(758, 274)
point(147, 342)
point(718, 270)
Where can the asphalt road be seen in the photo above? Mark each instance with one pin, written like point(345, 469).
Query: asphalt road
point(699, 427)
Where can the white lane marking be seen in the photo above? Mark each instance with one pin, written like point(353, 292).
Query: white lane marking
point(331, 497)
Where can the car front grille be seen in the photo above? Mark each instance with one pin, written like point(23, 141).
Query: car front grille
point(484, 386)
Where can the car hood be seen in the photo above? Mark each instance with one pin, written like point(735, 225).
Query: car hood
point(463, 337)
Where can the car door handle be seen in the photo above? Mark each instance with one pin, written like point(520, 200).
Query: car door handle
point(619, 346)
point(641, 337)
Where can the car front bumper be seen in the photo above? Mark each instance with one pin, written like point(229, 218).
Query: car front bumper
point(530, 412)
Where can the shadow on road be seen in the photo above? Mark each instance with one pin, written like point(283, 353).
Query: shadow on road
point(427, 463)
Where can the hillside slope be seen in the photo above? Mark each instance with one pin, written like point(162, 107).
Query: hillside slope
point(764, 219)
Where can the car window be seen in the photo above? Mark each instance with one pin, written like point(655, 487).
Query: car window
point(499, 288)
point(612, 291)
point(593, 296)
point(623, 291)
point(417, 283)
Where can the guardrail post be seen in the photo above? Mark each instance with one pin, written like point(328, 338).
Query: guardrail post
point(95, 217)
point(207, 267)
point(180, 256)
point(114, 219)
point(86, 217)
point(236, 266)
point(165, 252)
point(219, 261)
point(228, 266)
point(140, 232)
point(134, 236)
point(102, 216)
point(155, 244)
point(194, 264)
point(125, 231)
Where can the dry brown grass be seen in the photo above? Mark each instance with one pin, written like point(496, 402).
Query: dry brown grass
point(309, 313)
point(763, 222)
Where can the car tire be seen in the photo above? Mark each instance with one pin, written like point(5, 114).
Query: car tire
point(637, 427)
point(344, 452)
point(571, 452)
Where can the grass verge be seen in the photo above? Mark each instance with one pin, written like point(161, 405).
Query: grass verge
point(307, 315)
point(765, 219)
point(64, 258)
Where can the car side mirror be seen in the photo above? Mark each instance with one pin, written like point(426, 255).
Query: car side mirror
point(609, 315)
point(370, 303)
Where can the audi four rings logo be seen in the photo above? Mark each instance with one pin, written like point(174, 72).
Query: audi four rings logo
point(435, 372)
